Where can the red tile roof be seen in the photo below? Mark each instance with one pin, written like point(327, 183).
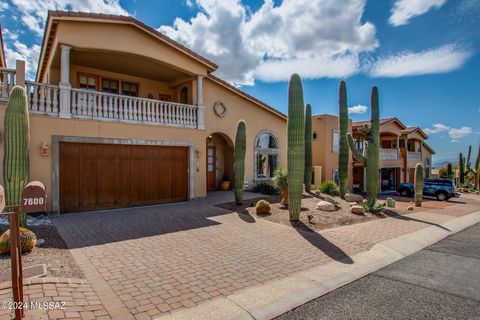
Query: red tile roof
point(382, 121)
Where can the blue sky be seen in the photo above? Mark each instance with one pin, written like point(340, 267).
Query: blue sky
point(423, 54)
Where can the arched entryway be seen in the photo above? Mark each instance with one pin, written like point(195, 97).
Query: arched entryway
point(219, 160)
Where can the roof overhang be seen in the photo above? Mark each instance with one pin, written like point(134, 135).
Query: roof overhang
point(3, 62)
point(55, 16)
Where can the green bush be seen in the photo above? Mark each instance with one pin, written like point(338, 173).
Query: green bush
point(280, 178)
point(329, 187)
point(262, 207)
point(265, 188)
point(372, 206)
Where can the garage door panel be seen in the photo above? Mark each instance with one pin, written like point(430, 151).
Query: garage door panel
point(100, 176)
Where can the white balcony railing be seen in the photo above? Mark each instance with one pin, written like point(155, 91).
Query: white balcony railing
point(42, 98)
point(413, 156)
point(106, 106)
point(7, 81)
point(389, 154)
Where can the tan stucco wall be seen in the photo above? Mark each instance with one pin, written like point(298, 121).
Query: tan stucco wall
point(105, 37)
point(392, 127)
point(323, 155)
point(256, 119)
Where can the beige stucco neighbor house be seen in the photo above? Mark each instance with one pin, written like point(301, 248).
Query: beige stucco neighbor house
point(121, 115)
point(401, 148)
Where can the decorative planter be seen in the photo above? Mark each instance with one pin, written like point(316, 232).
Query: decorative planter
point(225, 185)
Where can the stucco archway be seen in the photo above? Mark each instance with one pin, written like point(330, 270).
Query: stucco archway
point(219, 160)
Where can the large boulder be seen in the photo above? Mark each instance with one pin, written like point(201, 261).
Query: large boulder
point(326, 206)
point(358, 210)
point(350, 197)
point(331, 200)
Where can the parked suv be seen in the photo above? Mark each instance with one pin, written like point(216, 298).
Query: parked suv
point(442, 189)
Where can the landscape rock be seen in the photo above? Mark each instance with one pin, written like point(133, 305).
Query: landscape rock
point(357, 210)
point(350, 197)
point(326, 206)
point(411, 208)
point(331, 200)
point(353, 204)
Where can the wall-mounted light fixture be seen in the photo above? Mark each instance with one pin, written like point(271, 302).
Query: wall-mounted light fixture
point(197, 153)
point(44, 149)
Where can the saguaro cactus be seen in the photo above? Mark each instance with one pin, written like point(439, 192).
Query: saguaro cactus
point(308, 148)
point(296, 146)
point(343, 143)
point(15, 159)
point(449, 171)
point(372, 133)
point(461, 168)
point(239, 165)
point(418, 184)
point(476, 169)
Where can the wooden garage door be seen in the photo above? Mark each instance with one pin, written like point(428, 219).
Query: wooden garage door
point(101, 176)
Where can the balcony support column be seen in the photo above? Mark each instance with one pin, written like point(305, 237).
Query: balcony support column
point(200, 106)
point(64, 84)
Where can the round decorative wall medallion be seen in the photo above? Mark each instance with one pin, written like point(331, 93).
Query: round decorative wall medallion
point(219, 109)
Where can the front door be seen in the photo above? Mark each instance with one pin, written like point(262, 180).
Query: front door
point(211, 167)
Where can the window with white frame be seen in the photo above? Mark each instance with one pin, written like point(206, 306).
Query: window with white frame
point(335, 141)
point(266, 155)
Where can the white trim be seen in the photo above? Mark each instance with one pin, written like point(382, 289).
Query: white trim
point(265, 151)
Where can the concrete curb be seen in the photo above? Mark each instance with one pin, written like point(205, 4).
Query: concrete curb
point(279, 296)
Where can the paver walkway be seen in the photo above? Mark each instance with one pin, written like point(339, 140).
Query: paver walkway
point(146, 262)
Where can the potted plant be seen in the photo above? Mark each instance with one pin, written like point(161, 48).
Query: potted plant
point(225, 185)
point(280, 179)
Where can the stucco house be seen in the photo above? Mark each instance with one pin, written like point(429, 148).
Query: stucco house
point(121, 115)
point(401, 148)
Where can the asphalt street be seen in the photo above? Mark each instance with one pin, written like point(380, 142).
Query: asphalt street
point(439, 282)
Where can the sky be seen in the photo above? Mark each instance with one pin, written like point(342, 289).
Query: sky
point(424, 55)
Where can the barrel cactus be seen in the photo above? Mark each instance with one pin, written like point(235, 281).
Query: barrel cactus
point(343, 144)
point(262, 207)
point(15, 159)
point(418, 184)
point(239, 164)
point(296, 146)
point(372, 134)
point(308, 148)
point(27, 241)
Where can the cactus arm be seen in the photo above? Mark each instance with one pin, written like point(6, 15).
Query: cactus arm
point(296, 146)
point(308, 148)
point(356, 153)
point(239, 161)
point(343, 143)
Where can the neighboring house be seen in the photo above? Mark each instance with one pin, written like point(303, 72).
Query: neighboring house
point(121, 115)
point(401, 148)
point(325, 145)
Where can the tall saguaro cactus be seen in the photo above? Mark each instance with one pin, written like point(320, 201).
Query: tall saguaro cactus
point(418, 184)
point(476, 169)
point(15, 159)
point(296, 146)
point(239, 165)
point(372, 133)
point(308, 148)
point(461, 168)
point(449, 171)
point(343, 143)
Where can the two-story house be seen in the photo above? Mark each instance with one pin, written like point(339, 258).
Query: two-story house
point(121, 115)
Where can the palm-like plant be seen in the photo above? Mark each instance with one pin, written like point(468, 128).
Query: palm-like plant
point(280, 180)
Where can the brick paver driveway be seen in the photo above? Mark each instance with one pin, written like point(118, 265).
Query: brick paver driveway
point(145, 262)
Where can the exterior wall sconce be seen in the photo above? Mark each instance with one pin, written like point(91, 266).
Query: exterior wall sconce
point(197, 153)
point(44, 149)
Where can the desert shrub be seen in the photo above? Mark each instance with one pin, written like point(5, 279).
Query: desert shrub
point(372, 206)
point(27, 240)
point(329, 187)
point(265, 188)
point(280, 178)
point(262, 207)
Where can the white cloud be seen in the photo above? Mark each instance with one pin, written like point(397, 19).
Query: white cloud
point(456, 134)
point(316, 38)
point(440, 60)
point(16, 50)
point(34, 12)
point(404, 10)
point(358, 109)
point(437, 128)
point(3, 6)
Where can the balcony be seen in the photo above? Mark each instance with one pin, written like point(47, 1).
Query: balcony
point(414, 155)
point(389, 154)
point(46, 99)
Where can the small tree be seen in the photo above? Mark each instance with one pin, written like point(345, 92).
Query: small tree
point(280, 180)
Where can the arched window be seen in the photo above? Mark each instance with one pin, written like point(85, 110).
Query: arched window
point(266, 155)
